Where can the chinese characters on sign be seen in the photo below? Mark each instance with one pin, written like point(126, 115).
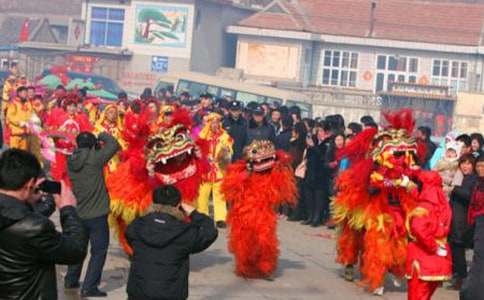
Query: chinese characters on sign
point(80, 63)
point(159, 64)
point(137, 81)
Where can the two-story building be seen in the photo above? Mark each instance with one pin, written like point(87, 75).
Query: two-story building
point(347, 53)
point(41, 20)
point(133, 42)
point(160, 36)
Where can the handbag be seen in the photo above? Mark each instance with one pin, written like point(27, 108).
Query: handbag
point(300, 171)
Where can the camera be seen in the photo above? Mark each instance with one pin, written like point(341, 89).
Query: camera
point(50, 187)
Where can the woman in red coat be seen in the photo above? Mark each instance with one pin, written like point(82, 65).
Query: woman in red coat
point(429, 260)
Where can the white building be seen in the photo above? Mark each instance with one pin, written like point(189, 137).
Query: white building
point(161, 36)
point(345, 52)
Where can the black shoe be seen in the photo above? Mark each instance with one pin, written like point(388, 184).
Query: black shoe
point(221, 224)
point(306, 222)
point(71, 286)
point(295, 219)
point(96, 293)
point(455, 284)
point(349, 273)
point(315, 224)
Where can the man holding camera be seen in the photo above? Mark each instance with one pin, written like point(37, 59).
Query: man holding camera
point(30, 247)
point(86, 172)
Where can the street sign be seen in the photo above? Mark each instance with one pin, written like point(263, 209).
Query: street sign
point(159, 64)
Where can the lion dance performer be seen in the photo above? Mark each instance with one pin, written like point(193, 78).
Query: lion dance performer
point(254, 187)
point(63, 125)
point(152, 158)
point(373, 201)
point(110, 122)
point(429, 260)
point(220, 152)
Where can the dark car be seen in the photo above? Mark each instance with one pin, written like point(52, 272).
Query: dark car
point(106, 83)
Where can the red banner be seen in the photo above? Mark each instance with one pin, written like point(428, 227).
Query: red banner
point(80, 63)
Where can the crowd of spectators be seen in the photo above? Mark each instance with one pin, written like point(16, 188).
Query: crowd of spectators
point(314, 144)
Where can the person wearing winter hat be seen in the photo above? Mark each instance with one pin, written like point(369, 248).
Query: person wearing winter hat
point(448, 166)
point(162, 242)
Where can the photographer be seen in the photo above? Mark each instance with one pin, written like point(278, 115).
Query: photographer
point(30, 247)
point(86, 172)
point(162, 241)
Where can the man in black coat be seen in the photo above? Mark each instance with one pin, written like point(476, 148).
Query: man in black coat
point(259, 128)
point(236, 127)
point(283, 140)
point(316, 182)
point(162, 242)
point(206, 105)
point(30, 246)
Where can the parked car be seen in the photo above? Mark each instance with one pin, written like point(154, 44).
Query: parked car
point(106, 83)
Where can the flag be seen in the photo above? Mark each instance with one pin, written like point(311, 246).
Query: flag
point(24, 33)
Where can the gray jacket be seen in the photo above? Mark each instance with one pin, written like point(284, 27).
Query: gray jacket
point(86, 172)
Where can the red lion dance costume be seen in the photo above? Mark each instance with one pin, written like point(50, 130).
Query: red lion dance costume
point(167, 155)
point(374, 200)
point(63, 125)
point(429, 261)
point(254, 187)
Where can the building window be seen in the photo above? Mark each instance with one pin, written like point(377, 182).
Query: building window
point(107, 26)
point(340, 68)
point(4, 63)
point(391, 68)
point(450, 73)
point(60, 32)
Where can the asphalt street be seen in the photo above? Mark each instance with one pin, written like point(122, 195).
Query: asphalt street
point(307, 270)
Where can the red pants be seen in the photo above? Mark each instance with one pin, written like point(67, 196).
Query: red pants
point(421, 290)
point(59, 168)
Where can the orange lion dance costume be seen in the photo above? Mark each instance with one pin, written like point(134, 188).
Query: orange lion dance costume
point(374, 200)
point(254, 187)
point(167, 155)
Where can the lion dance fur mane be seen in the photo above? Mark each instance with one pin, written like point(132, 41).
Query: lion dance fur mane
point(155, 155)
point(371, 205)
point(254, 187)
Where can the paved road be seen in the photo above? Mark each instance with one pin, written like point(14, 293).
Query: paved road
point(306, 271)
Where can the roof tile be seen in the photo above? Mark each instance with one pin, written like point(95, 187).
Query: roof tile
point(432, 22)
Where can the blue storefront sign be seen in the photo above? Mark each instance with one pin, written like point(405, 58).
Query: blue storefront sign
point(159, 64)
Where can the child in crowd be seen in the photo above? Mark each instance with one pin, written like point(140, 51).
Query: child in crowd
point(447, 166)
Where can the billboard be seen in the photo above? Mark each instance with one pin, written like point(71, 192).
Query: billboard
point(268, 60)
point(161, 25)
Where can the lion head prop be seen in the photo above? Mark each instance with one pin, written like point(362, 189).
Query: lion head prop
point(154, 157)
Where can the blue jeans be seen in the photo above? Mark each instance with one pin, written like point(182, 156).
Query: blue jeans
point(98, 231)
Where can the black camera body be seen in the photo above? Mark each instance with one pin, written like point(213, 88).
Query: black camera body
point(50, 187)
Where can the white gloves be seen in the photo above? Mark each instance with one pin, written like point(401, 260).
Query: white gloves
point(405, 181)
point(442, 251)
